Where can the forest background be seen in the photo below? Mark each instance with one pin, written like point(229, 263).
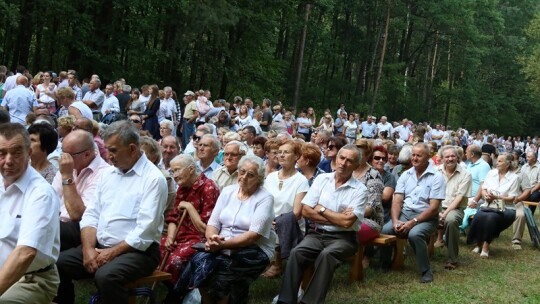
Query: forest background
point(471, 63)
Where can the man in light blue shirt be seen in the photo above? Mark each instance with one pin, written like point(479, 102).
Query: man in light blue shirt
point(368, 127)
point(415, 208)
point(478, 168)
point(20, 101)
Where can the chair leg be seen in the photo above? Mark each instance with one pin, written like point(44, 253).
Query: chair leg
point(357, 269)
point(399, 259)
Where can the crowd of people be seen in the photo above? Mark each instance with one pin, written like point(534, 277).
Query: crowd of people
point(112, 185)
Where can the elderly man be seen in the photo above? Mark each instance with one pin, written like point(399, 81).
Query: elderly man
point(335, 203)
point(207, 150)
point(75, 183)
point(94, 97)
point(458, 189)
point(384, 126)
point(120, 230)
point(232, 153)
point(532, 169)
point(369, 128)
point(136, 120)
point(529, 177)
point(20, 101)
point(66, 97)
point(417, 198)
point(170, 148)
point(403, 130)
point(30, 238)
point(191, 147)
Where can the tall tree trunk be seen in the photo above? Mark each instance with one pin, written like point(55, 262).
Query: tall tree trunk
point(300, 56)
point(450, 84)
point(24, 36)
point(381, 61)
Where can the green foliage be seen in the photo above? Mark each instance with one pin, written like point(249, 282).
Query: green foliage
point(459, 62)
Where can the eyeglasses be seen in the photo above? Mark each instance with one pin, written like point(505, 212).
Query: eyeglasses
point(196, 138)
point(330, 147)
point(231, 154)
point(379, 158)
point(283, 152)
point(164, 128)
point(75, 154)
point(137, 121)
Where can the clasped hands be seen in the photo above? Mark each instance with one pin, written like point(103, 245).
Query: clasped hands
point(214, 243)
point(95, 257)
point(402, 228)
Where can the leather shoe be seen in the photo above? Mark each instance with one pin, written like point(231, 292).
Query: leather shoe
point(427, 277)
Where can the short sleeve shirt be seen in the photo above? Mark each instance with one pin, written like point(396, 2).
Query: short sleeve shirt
point(418, 192)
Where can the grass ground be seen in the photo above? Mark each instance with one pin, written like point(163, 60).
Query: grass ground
point(508, 276)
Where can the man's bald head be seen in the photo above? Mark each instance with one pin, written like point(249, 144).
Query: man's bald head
point(22, 80)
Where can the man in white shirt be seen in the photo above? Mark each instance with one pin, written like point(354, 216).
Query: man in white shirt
point(29, 225)
point(207, 150)
point(384, 125)
point(75, 183)
point(403, 130)
point(20, 101)
point(120, 230)
point(11, 81)
point(110, 104)
point(335, 203)
point(437, 135)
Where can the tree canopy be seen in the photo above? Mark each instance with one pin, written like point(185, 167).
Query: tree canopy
point(457, 62)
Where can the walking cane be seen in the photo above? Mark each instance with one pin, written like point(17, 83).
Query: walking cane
point(167, 253)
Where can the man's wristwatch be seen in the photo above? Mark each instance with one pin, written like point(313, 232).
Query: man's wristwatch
point(67, 181)
point(415, 221)
point(322, 210)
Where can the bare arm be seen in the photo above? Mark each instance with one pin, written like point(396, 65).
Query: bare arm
point(72, 199)
point(15, 266)
point(194, 215)
point(297, 205)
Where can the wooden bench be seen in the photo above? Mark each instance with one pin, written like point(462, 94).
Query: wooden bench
point(530, 203)
point(357, 270)
point(137, 287)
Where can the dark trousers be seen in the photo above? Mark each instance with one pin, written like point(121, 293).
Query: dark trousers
point(70, 235)
point(534, 197)
point(110, 278)
point(326, 252)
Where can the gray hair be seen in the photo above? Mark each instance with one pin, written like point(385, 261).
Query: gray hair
point(168, 123)
point(447, 147)
point(126, 88)
point(232, 136)
point(355, 149)
point(509, 160)
point(125, 130)
point(242, 147)
point(216, 145)
point(165, 89)
point(257, 161)
point(186, 160)
point(405, 154)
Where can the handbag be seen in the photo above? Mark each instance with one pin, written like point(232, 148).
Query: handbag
point(496, 204)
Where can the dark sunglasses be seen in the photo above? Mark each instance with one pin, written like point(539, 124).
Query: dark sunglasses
point(379, 158)
point(330, 147)
point(196, 138)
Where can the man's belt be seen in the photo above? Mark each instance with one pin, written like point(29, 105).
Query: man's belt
point(41, 270)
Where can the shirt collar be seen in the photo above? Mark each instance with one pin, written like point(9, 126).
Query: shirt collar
point(94, 165)
point(137, 168)
point(22, 182)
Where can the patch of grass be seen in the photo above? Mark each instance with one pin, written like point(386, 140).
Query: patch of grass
point(508, 276)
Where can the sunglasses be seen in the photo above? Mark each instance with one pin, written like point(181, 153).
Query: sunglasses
point(196, 138)
point(379, 158)
point(330, 147)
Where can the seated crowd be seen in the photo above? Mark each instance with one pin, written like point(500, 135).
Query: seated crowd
point(114, 185)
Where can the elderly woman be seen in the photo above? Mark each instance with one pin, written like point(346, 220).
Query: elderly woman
point(240, 240)
point(196, 194)
point(289, 188)
point(43, 141)
point(378, 161)
point(331, 148)
point(258, 147)
point(404, 159)
point(500, 186)
point(308, 161)
point(166, 128)
point(374, 214)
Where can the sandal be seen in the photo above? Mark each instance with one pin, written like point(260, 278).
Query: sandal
point(272, 272)
point(450, 266)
